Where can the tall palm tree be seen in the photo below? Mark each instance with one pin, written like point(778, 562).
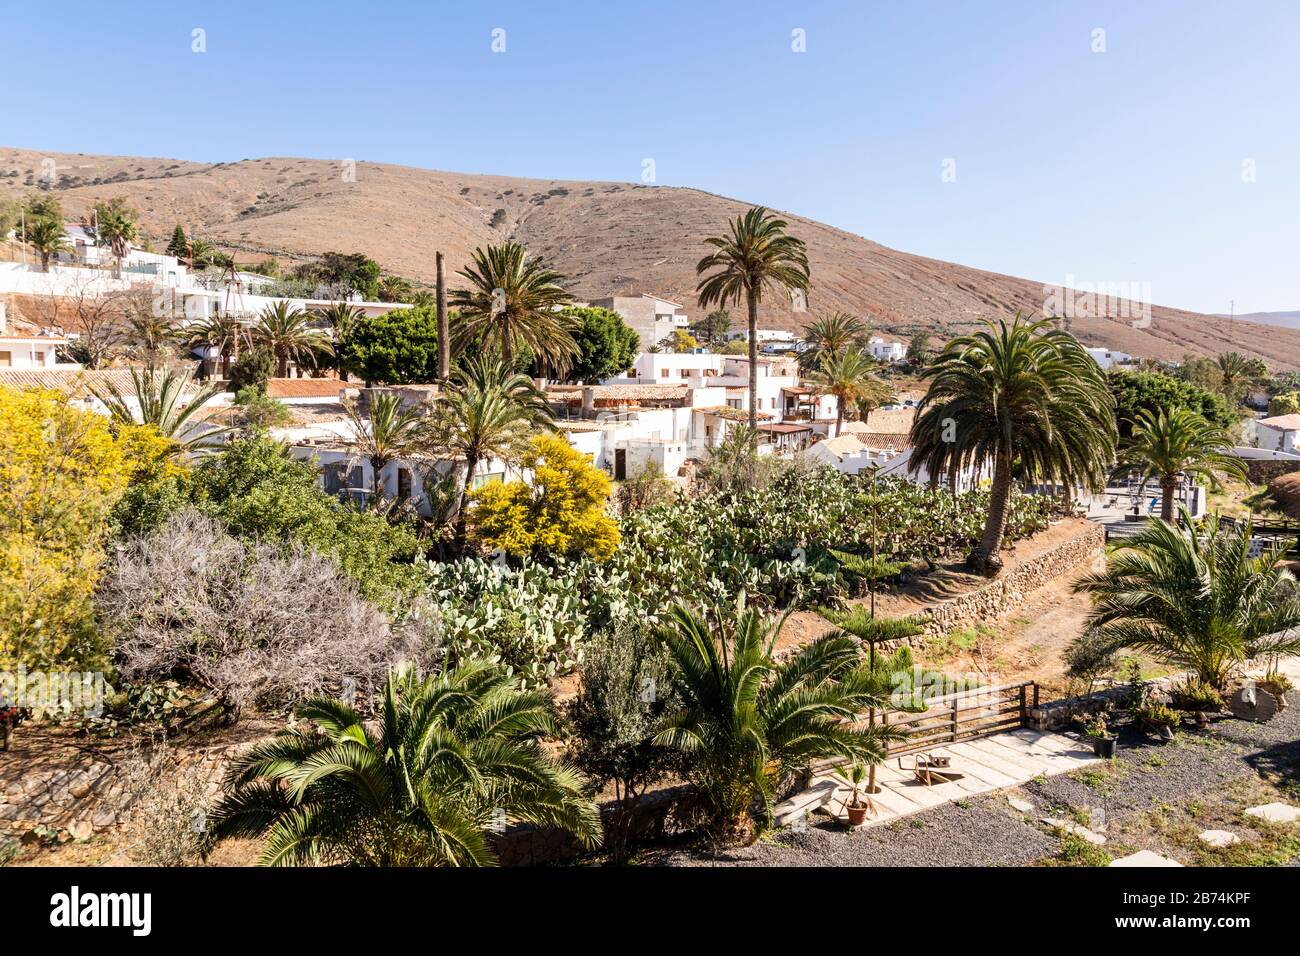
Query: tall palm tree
point(848, 375)
point(223, 332)
point(114, 226)
point(512, 300)
point(758, 256)
point(1014, 394)
point(749, 721)
point(1195, 598)
point(488, 411)
point(163, 399)
point(452, 757)
point(387, 432)
point(287, 333)
point(831, 334)
point(1175, 441)
point(47, 238)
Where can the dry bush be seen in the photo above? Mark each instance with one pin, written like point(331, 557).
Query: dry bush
point(254, 624)
point(167, 819)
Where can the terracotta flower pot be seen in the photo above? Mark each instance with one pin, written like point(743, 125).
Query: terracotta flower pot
point(857, 815)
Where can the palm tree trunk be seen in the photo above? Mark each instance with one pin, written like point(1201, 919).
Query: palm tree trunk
point(1166, 498)
point(986, 558)
point(462, 512)
point(377, 466)
point(444, 327)
point(839, 416)
point(752, 304)
point(507, 346)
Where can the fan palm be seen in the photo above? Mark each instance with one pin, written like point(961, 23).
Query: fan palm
point(1014, 394)
point(749, 722)
point(489, 411)
point(1174, 441)
point(47, 237)
point(150, 334)
point(1195, 598)
point(514, 300)
point(387, 432)
point(452, 757)
point(286, 331)
point(758, 255)
point(163, 399)
point(848, 374)
point(831, 334)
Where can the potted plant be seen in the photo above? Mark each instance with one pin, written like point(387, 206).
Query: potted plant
point(1103, 741)
point(857, 806)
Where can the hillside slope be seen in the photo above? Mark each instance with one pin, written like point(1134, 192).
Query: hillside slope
point(608, 238)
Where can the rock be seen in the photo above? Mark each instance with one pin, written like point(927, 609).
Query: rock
point(1080, 831)
point(103, 818)
point(1145, 858)
point(1275, 813)
point(1218, 838)
point(79, 791)
point(81, 829)
point(1024, 806)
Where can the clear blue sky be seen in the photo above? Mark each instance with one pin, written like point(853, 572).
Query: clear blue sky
point(1117, 166)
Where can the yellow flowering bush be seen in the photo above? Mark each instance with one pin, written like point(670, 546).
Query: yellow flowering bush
point(61, 470)
point(562, 513)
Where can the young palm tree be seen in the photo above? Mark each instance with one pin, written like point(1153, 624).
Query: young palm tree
point(748, 721)
point(514, 300)
point(114, 226)
point(1177, 441)
point(848, 375)
point(223, 332)
point(287, 333)
point(163, 399)
point(452, 757)
point(1014, 395)
point(831, 334)
point(758, 256)
point(47, 238)
point(1195, 598)
point(489, 411)
point(388, 432)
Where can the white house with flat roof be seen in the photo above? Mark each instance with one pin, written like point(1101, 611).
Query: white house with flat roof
point(884, 350)
point(652, 318)
point(1108, 358)
point(1279, 433)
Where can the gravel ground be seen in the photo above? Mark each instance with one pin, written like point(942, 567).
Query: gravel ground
point(985, 831)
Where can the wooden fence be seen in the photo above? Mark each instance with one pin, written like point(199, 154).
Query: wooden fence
point(963, 715)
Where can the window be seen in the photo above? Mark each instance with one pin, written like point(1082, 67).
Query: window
point(403, 483)
point(332, 477)
point(6, 359)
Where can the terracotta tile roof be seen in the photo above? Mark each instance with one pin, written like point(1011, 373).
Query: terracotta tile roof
point(731, 414)
point(784, 428)
point(77, 383)
point(306, 387)
point(892, 421)
point(573, 393)
point(881, 441)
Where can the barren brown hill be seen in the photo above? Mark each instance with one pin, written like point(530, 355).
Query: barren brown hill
point(609, 238)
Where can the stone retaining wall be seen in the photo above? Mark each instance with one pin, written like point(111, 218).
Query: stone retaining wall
point(1261, 471)
point(1011, 589)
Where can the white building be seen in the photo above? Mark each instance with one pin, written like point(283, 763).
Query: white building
point(884, 350)
point(762, 336)
point(1109, 358)
point(1279, 433)
point(652, 318)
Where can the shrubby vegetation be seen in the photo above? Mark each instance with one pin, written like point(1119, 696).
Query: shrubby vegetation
point(251, 623)
point(396, 348)
point(1151, 392)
